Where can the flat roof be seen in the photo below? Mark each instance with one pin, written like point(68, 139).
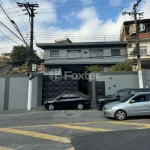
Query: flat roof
point(139, 21)
point(81, 44)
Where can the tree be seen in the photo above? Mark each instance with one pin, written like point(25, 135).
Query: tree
point(94, 68)
point(121, 67)
point(19, 53)
point(22, 54)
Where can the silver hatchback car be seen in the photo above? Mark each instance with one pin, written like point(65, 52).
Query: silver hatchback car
point(131, 105)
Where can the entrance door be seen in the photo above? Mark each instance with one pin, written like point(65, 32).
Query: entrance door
point(83, 86)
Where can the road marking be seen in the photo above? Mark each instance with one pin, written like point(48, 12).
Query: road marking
point(72, 148)
point(87, 123)
point(130, 123)
point(36, 126)
point(37, 135)
point(80, 127)
point(5, 148)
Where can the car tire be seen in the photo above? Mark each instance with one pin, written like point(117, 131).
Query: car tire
point(51, 107)
point(80, 106)
point(100, 107)
point(120, 115)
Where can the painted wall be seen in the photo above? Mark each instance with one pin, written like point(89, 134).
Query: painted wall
point(14, 92)
point(142, 43)
point(2, 89)
point(146, 77)
point(85, 57)
point(118, 80)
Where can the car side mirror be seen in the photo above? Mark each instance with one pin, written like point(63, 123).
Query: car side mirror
point(58, 99)
point(132, 101)
point(118, 96)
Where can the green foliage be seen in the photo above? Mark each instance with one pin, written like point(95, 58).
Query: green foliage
point(135, 51)
point(94, 68)
point(121, 67)
point(23, 67)
point(21, 53)
point(2, 63)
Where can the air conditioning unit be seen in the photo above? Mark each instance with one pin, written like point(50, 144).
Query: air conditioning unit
point(85, 51)
point(129, 45)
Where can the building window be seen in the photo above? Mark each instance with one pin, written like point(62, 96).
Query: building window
point(54, 53)
point(74, 54)
point(96, 53)
point(143, 50)
point(115, 52)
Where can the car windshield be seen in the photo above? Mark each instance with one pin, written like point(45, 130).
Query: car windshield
point(82, 94)
point(126, 98)
point(115, 93)
point(58, 96)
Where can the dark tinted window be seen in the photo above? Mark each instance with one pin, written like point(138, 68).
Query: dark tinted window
point(72, 96)
point(140, 98)
point(81, 94)
point(148, 97)
point(126, 98)
point(142, 90)
point(124, 93)
point(64, 96)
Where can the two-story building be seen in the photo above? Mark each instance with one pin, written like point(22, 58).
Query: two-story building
point(76, 56)
point(128, 33)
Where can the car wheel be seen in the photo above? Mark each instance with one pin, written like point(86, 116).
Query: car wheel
point(51, 107)
point(100, 107)
point(80, 106)
point(120, 115)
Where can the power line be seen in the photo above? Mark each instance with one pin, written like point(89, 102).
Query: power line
point(8, 37)
point(15, 26)
point(18, 13)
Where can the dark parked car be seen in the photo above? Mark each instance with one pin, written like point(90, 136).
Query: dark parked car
point(102, 100)
point(68, 100)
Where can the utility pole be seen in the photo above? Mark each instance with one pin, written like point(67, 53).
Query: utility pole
point(137, 48)
point(30, 9)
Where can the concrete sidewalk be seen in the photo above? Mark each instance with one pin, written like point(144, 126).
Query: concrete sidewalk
point(41, 108)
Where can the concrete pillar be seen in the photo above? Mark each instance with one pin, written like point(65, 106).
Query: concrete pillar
point(93, 92)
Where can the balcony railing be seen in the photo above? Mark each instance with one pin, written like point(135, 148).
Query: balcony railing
point(141, 36)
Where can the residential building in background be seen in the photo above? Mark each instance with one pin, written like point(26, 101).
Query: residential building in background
point(64, 40)
point(128, 33)
point(41, 55)
point(5, 57)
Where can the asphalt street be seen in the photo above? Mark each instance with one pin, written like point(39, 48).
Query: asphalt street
point(71, 130)
point(116, 140)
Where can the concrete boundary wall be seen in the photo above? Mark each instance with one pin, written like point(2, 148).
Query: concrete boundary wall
point(2, 90)
point(14, 91)
point(114, 81)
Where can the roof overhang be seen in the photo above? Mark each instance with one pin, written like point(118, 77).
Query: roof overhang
point(45, 46)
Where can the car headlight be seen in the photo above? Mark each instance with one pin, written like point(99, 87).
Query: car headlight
point(109, 108)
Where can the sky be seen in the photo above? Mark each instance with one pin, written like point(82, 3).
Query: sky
point(78, 20)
